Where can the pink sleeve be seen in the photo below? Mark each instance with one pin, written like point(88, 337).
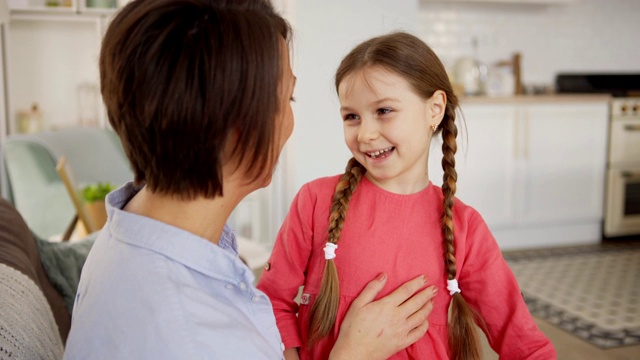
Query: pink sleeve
point(285, 272)
point(489, 286)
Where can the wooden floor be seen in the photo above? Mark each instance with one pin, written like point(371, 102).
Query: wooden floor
point(570, 347)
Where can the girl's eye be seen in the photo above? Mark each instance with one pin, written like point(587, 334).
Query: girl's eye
point(349, 117)
point(383, 111)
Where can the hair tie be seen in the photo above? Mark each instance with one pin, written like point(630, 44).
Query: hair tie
point(330, 251)
point(452, 286)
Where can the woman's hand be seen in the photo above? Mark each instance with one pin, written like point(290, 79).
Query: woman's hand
point(379, 329)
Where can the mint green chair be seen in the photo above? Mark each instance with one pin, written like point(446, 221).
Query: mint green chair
point(33, 185)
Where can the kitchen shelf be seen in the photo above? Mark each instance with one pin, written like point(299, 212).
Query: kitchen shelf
point(39, 6)
point(62, 17)
point(40, 11)
point(45, 9)
point(509, 2)
point(98, 11)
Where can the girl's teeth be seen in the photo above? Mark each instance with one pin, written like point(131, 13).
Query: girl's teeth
point(379, 152)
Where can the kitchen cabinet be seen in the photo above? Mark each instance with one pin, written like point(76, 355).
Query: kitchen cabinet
point(564, 160)
point(534, 170)
point(485, 161)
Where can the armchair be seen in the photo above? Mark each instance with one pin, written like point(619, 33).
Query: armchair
point(33, 184)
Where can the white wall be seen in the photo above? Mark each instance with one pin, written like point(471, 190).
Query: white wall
point(324, 32)
point(585, 35)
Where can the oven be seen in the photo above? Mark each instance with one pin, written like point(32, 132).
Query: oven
point(622, 193)
point(622, 211)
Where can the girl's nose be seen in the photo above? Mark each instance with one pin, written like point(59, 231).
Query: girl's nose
point(368, 131)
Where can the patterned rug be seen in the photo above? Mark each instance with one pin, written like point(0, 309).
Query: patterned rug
point(593, 292)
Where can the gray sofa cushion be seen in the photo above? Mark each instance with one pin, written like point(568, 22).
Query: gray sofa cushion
point(27, 327)
point(63, 263)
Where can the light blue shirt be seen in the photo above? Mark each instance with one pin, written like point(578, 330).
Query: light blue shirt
point(149, 290)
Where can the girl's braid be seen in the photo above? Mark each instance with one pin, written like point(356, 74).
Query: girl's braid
point(449, 179)
point(463, 334)
point(325, 308)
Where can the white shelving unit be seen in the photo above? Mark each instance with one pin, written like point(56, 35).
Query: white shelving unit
point(51, 52)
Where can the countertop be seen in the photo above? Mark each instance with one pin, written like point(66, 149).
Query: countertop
point(535, 99)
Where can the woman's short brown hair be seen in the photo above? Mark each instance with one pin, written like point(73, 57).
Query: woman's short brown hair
point(178, 77)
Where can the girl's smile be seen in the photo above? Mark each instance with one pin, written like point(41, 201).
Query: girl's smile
point(381, 154)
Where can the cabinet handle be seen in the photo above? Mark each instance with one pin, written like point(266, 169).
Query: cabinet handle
point(521, 135)
point(516, 145)
point(526, 136)
point(632, 127)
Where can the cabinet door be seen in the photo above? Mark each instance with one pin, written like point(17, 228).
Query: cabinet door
point(564, 162)
point(485, 161)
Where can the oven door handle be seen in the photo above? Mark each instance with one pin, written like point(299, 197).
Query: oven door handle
point(632, 127)
point(631, 175)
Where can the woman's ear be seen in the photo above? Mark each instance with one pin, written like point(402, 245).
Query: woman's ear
point(436, 106)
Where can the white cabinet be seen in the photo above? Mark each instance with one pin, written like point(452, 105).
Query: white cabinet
point(533, 169)
point(564, 162)
point(485, 161)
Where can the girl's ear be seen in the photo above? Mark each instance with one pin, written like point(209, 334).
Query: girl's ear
point(436, 106)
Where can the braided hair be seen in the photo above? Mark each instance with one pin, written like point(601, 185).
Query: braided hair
point(325, 308)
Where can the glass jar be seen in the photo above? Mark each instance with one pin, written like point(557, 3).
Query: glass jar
point(30, 121)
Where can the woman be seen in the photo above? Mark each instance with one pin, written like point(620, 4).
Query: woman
point(199, 93)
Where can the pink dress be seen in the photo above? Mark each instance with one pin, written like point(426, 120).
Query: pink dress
point(400, 235)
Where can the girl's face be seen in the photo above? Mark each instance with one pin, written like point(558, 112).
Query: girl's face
point(387, 127)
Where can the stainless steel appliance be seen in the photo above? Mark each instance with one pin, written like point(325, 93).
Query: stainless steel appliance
point(622, 202)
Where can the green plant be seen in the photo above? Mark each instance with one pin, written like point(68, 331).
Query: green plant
point(96, 192)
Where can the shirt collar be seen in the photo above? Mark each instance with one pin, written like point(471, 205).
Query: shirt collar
point(219, 261)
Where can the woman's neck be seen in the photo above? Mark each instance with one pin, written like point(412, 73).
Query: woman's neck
point(202, 217)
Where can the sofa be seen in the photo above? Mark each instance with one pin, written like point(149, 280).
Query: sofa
point(37, 284)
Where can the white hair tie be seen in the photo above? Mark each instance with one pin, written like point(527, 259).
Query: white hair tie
point(452, 286)
point(330, 251)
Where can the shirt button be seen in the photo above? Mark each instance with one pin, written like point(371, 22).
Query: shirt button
point(255, 298)
point(267, 266)
point(243, 286)
point(228, 286)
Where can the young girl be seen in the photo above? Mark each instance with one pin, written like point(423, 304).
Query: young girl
point(384, 213)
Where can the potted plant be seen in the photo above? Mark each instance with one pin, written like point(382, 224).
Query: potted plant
point(93, 196)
